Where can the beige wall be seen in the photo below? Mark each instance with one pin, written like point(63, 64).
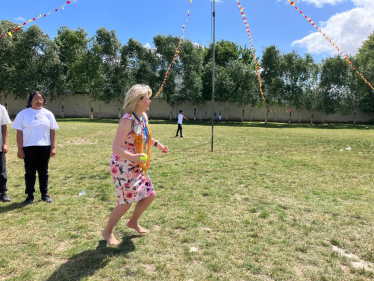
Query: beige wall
point(79, 106)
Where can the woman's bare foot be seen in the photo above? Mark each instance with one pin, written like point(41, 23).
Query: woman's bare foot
point(137, 227)
point(109, 237)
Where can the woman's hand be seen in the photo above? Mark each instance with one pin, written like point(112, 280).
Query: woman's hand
point(21, 154)
point(53, 152)
point(136, 158)
point(163, 148)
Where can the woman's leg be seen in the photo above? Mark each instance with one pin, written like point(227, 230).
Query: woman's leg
point(140, 207)
point(114, 217)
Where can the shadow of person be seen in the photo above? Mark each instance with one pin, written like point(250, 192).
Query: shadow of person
point(9, 207)
point(88, 262)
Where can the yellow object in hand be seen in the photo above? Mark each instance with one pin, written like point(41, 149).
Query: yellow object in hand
point(144, 157)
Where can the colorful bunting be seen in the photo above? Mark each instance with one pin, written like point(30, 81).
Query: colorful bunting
point(252, 49)
point(331, 42)
point(33, 19)
point(175, 54)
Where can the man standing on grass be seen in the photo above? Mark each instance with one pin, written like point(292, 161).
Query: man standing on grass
point(4, 121)
point(180, 120)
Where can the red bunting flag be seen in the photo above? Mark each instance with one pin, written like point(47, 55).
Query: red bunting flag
point(246, 25)
point(332, 43)
point(175, 54)
point(33, 19)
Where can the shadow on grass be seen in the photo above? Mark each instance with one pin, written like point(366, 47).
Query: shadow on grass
point(88, 262)
point(6, 207)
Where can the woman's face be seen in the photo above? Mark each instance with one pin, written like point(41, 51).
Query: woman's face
point(144, 103)
point(37, 101)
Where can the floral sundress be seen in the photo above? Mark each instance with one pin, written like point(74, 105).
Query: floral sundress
point(131, 184)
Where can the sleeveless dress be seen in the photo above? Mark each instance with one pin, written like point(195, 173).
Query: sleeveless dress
point(131, 184)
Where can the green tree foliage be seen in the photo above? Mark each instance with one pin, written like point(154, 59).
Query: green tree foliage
point(334, 83)
point(365, 58)
point(73, 45)
point(37, 64)
point(8, 57)
point(191, 58)
point(165, 50)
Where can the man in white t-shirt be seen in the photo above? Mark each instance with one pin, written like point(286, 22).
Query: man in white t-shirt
point(4, 121)
point(180, 120)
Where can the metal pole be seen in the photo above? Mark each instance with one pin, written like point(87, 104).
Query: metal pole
point(213, 65)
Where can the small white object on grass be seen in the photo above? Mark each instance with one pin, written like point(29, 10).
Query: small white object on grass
point(348, 148)
point(193, 249)
point(83, 192)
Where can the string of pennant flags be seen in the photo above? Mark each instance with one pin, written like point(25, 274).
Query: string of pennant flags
point(293, 3)
point(9, 32)
point(252, 49)
point(176, 54)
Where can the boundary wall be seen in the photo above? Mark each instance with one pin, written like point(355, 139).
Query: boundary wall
point(80, 106)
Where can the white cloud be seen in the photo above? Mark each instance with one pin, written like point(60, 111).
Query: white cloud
point(20, 19)
point(347, 30)
point(319, 3)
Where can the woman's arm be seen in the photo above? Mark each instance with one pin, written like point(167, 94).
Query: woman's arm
point(53, 142)
point(163, 148)
point(124, 128)
point(20, 153)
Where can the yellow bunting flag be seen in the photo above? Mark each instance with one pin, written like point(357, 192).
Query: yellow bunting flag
point(253, 51)
point(34, 19)
point(333, 44)
point(175, 54)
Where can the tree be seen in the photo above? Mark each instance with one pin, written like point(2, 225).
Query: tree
point(8, 58)
point(37, 65)
point(365, 58)
point(165, 50)
point(191, 58)
point(334, 83)
point(225, 52)
point(72, 47)
point(272, 68)
point(245, 79)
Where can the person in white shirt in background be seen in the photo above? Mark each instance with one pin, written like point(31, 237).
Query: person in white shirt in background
point(219, 118)
point(36, 141)
point(4, 121)
point(180, 120)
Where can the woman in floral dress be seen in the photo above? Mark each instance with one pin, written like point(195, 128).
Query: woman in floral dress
point(132, 182)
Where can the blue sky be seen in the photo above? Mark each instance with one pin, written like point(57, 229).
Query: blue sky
point(347, 22)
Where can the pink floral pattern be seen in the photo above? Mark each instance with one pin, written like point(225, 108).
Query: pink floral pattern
point(131, 184)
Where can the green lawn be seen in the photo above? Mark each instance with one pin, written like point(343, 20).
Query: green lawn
point(268, 204)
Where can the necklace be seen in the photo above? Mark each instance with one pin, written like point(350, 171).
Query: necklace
point(138, 138)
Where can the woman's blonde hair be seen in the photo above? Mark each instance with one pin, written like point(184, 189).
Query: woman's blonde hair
point(134, 95)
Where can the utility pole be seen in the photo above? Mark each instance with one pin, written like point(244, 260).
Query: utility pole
point(213, 64)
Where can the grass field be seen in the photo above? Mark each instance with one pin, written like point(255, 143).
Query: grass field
point(269, 203)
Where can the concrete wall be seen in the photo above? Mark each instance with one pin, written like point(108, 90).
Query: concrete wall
point(80, 106)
